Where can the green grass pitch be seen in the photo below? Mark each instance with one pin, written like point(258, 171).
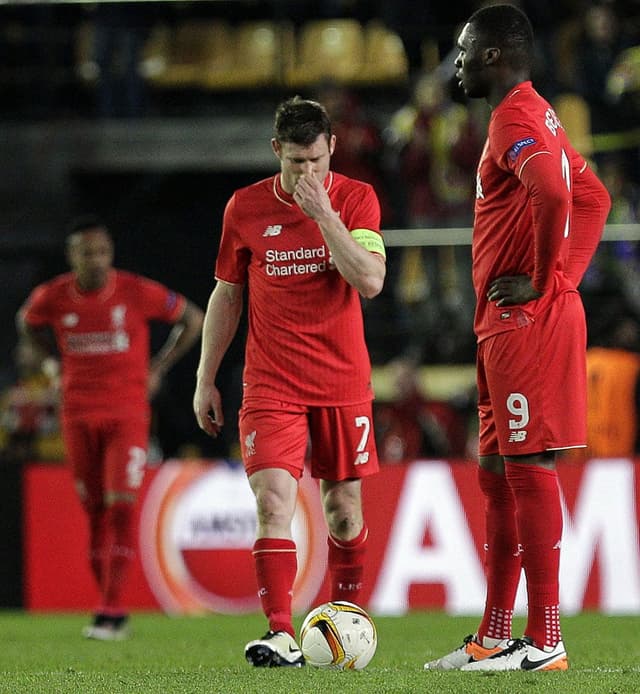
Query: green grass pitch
point(46, 654)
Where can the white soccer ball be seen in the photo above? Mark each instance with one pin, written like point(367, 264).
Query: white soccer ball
point(338, 636)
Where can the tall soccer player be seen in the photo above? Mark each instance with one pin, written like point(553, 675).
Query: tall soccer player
point(97, 319)
point(539, 215)
point(307, 244)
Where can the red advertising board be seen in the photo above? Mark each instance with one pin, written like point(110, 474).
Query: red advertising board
point(197, 525)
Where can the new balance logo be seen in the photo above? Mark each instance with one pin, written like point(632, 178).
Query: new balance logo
point(273, 230)
point(362, 459)
point(517, 436)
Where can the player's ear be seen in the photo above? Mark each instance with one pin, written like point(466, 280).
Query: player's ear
point(332, 144)
point(276, 147)
point(491, 56)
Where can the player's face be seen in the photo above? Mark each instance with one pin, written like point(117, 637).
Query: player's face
point(90, 255)
point(296, 160)
point(470, 64)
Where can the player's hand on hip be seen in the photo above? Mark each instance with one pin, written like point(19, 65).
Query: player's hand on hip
point(207, 406)
point(512, 290)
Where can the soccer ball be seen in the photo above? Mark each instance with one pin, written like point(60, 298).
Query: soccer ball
point(338, 636)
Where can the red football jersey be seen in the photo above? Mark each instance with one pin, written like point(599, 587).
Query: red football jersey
point(103, 338)
point(305, 342)
point(512, 234)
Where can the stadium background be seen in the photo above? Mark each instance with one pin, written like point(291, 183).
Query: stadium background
point(160, 173)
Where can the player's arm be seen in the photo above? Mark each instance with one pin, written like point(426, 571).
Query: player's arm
point(220, 325)
point(182, 337)
point(40, 334)
point(362, 268)
point(591, 205)
point(42, 339)
point(546, 182)
point(358, 257)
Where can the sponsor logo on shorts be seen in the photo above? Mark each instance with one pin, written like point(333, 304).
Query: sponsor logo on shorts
point(517, 436)
point(362, 458)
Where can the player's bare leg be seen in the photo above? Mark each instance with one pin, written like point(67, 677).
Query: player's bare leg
point(275, 558)
point(342, 505)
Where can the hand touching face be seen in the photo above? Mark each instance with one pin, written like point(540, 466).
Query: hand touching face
point(300, 160)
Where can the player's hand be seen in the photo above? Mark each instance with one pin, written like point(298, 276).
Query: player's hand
point(207, 405)
point(512, 290)
point(311, 196)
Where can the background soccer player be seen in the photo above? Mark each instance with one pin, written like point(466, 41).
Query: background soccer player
point(307, 243)
point(539, 215)
point(99, 318)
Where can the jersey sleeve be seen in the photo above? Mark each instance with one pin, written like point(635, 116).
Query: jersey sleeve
point(160, 303)
point(363, 210)
point(36, 312)
point(233, 256)
point(591, 205)
point(365, 227)
point(535, 155)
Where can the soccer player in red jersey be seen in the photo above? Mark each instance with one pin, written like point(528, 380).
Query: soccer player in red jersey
point(307, 243)
point(539, 215)
point(97, 318)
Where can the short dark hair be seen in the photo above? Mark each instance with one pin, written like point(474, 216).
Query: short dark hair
point(84, 222)
point(300, 121)
point(506, 27)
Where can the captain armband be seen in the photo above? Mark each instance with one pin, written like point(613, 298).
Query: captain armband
point(369, 240)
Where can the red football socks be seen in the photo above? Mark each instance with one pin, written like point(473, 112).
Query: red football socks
point(345, 561)
point(276, 567)
point(97, 544)
point(502, 556)
point(539, 518)
point(118, 556)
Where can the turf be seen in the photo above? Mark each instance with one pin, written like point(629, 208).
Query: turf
point(45, 654)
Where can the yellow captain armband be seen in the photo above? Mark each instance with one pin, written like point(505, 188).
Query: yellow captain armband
point(369, 240)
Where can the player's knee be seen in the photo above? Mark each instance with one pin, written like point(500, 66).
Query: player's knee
point(343, 513)
point(273, 508)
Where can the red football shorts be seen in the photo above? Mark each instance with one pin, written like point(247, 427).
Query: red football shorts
point(339, 440)
point(106, 455)
point(532, 391)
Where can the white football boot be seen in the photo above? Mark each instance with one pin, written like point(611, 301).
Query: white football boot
point(274, 649)
point(470, 650)
point(521, 654)
point(106, 628)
